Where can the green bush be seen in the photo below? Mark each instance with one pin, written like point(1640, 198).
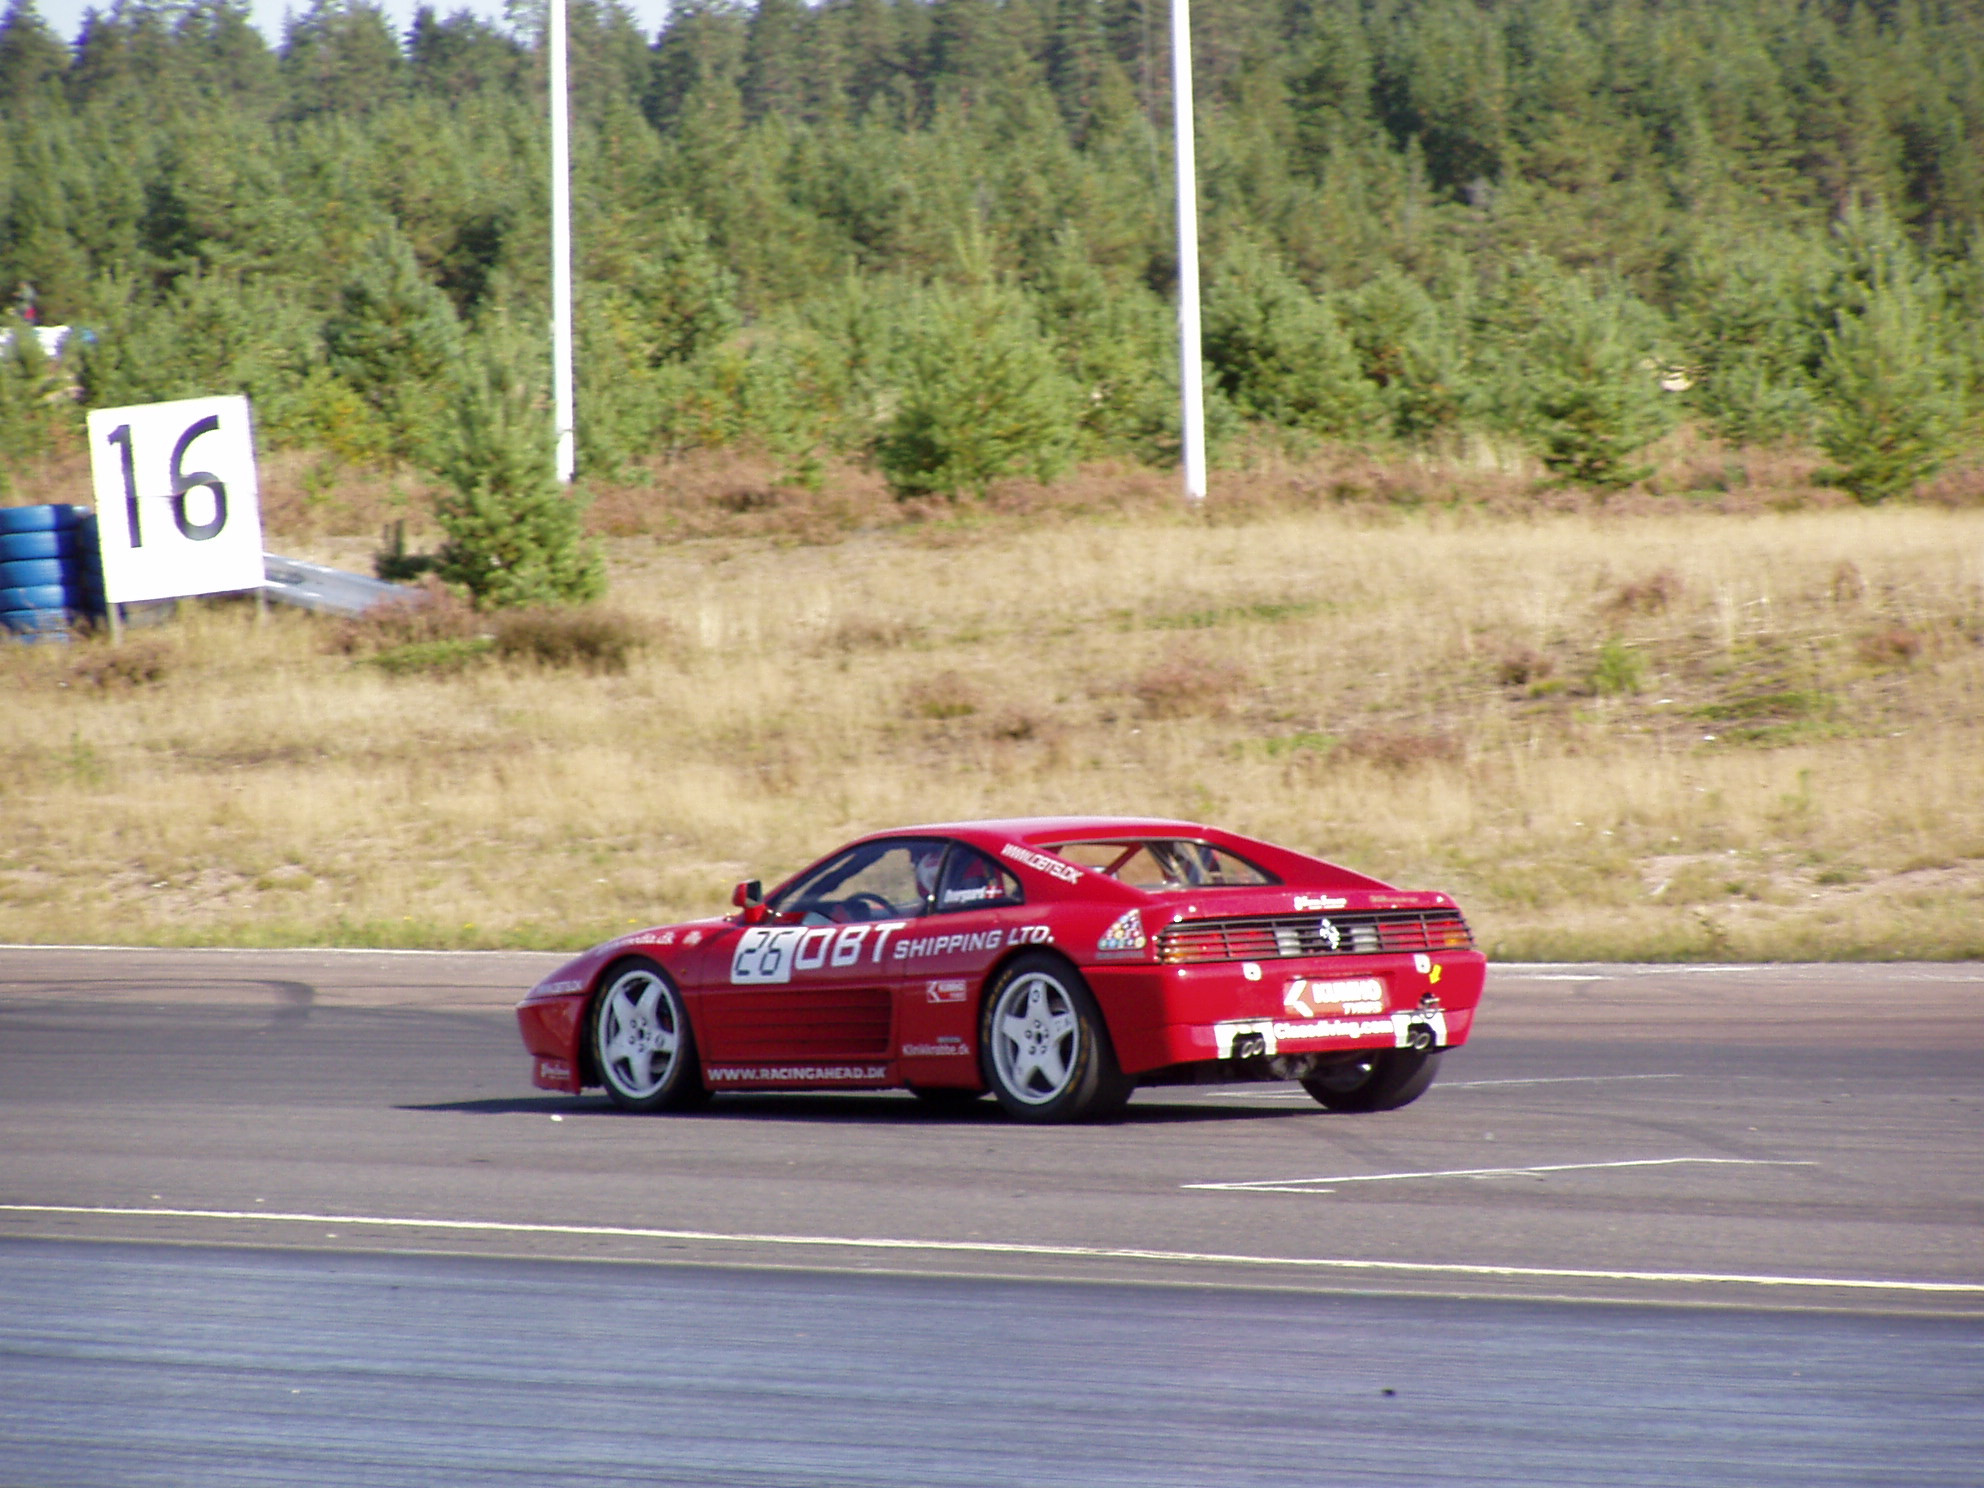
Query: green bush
point(429, 658)
point(1891, 395)
point(36, 409)
point(983, 396)
point(395, 342)
point(1617, 670)
point(1747, 341)
point(1410, 350)
point(515, 536)
point(1593, 395)
point(1278, 353)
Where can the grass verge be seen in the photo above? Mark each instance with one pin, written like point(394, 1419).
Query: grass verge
point(1654, 734)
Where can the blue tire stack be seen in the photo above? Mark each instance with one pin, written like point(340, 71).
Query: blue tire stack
point(49, 574)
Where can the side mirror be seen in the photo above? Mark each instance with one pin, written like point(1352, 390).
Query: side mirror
point(750, 897)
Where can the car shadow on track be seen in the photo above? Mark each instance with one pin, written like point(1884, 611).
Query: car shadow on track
point(895, 1108)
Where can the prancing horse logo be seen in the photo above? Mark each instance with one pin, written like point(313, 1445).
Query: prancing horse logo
point(1332, 937)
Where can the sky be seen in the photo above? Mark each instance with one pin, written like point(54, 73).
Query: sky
point(65, 17)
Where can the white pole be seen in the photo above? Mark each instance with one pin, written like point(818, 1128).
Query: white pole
point(1191, 388)
point(562, 416)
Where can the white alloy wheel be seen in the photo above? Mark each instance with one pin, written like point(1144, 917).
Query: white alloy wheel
point(642, 1043)
point(1036, 1038)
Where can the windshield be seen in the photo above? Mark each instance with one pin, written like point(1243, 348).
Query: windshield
point(1161, 863)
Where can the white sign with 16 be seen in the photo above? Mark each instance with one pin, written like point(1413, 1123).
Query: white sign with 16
point(177, 508)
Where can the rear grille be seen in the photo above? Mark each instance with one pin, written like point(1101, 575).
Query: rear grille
point(1279, 937)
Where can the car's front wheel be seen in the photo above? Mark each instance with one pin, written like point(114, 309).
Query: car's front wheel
point(642, 1044)
point(1379, 1081)
point(1045, 1048)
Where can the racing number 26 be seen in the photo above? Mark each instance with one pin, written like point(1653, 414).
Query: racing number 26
point(183, 481)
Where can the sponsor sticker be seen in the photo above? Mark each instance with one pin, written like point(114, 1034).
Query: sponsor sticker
point(965, 942)
point(553, 1073)
point(1041, 863)
point(945, 991)
point(1303, 998)
point(794, 1074)
point(1319, 901)
point(943, 1047)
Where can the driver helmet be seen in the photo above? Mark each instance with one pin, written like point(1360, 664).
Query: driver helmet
point(928, 862)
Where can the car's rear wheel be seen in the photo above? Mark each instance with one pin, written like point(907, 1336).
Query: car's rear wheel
point(1382, 1080)
point(1046, 1051)
point(642, 1044)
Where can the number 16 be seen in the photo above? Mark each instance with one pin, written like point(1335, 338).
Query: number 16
point(183, 481)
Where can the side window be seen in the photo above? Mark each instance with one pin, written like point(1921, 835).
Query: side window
point(974, 881)
point(1166, 864)
point(875, 881)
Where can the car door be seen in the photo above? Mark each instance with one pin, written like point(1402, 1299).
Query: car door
point(810, 987)
point(979, 913)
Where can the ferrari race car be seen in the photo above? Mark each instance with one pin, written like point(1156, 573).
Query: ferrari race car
point(1057, 962)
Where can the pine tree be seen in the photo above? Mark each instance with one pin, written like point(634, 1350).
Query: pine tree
point(1279, 353)
point(37, 415)
point(774, 60)
point(341, 57)
point(982, 398)
point(460, 55)
point(394, 341)
point(1892, 396)
point(515, 537)
point(33, 61)
point(1594, 392)
point(1410, 350)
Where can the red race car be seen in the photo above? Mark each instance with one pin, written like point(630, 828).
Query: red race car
point(1058, 962)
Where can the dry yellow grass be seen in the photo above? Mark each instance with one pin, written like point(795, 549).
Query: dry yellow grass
point(1669, 735)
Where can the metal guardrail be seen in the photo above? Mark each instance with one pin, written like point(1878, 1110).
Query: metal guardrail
point(328, 591)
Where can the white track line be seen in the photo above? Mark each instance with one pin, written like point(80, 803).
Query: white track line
point(1306, 1185)
point(978, 1247)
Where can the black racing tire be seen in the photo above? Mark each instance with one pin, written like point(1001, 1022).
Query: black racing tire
point(949, 1099)
point(1383, 1080)
point(640, 1040)
point(1044, 1049)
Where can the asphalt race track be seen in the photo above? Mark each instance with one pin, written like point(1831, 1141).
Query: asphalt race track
point(282, 1217)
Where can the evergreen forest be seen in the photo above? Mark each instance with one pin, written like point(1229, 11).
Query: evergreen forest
point(936, 236)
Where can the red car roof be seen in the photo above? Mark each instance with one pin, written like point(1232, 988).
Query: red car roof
point(1036, 829)
point(1032, 831)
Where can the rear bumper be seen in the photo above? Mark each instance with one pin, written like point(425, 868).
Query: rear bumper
point(1175, 1015)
